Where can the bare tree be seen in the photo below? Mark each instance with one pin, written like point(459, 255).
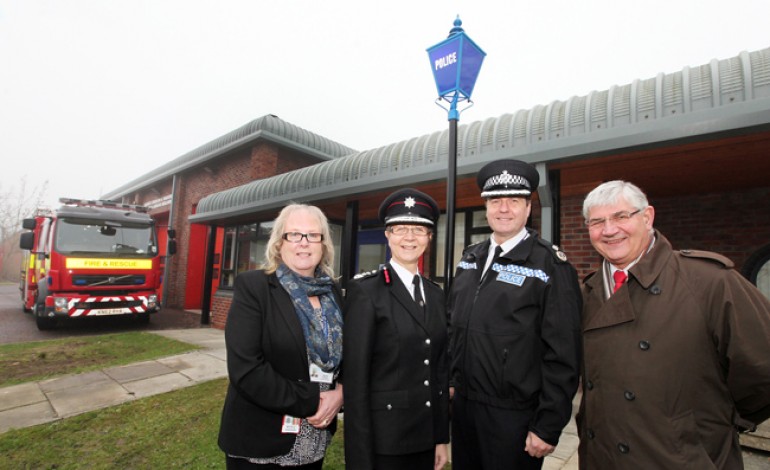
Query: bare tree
point(16, 203)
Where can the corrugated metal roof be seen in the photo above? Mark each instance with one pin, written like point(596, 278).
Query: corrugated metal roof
point(268, 127)
point(722, 95)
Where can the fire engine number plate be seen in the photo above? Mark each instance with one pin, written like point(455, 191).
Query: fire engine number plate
point(108, 311)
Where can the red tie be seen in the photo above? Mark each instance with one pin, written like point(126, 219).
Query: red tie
point(620, 279)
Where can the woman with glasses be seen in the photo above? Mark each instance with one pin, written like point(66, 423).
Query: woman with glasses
point(284, 350)
point(396, 371)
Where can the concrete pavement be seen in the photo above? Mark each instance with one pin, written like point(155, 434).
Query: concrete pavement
point(54, 399)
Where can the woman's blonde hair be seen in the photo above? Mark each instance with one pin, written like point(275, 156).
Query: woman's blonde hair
point(273, 249)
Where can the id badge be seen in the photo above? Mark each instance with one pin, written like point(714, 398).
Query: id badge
point(290, 425)
point(318, 375)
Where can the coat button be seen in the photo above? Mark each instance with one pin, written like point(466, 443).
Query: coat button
point(426, 383)
point(644, 345)
point(590, 385)
point(389, 407)
point(655, 290)
point(426, 362)
point(630, 396)
point(623, 448)
point(590, 434)
point(427, 403)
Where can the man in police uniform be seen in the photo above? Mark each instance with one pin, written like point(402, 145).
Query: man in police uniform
point(515, 334)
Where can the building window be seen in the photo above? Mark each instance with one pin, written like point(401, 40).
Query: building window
point(763, 278)
point(470, 227)
point(244, 249)
point(757, 270)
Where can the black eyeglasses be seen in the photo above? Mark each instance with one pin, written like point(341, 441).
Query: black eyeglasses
point(296, 237)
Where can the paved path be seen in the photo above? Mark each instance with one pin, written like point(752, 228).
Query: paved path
point(53, 399)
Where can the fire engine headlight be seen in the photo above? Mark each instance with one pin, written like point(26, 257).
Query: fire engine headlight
point(60, 304)
point(152, 301)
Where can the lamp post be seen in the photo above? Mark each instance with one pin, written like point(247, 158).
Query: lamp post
point(456, 62)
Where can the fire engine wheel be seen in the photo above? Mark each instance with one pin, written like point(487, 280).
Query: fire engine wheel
point(45, 323)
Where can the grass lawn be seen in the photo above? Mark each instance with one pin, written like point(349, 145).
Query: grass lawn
point(173, 430)
point(26, 362)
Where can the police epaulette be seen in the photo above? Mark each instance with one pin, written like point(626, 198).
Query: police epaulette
point(557, 253)
point(432, 281)
point(471, 246)
point(708, 255)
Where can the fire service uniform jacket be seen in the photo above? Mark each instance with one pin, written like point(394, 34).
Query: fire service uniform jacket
point(671, 361)
point(396, 369)
point(515, 336)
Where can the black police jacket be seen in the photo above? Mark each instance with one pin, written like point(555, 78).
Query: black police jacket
point(515, 336)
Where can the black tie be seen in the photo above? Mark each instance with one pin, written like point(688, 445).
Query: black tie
point(498, 252)
point(418, 293)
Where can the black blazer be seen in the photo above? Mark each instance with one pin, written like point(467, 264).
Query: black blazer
point(268, 369)
point(396, 369)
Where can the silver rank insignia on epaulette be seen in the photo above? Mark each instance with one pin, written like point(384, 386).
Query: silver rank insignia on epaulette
point(559, 254)
point(366, 274)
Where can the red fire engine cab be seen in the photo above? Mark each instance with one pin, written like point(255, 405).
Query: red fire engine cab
point(90, 258)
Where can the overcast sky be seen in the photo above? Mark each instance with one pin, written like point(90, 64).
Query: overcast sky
point(95, 93)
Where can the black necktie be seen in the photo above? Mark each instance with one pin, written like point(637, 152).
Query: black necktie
point(418, 293)
point(498, 252)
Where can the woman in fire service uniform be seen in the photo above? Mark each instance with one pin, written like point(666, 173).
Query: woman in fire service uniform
point(395, 345)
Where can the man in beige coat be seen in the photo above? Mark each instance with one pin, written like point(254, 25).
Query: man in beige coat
point(677, 346)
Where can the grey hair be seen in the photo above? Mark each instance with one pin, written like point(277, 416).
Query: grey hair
point(609, 193)
point(273, 248)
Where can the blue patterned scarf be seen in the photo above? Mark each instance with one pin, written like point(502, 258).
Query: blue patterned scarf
point(323, 333)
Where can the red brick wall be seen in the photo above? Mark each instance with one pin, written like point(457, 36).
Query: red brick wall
point(735, 224)
point(219, 306)
point(235, 169)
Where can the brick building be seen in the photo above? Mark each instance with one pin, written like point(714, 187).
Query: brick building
point(697, 141)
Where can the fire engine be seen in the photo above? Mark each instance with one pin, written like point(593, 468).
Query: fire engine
point(90, 258)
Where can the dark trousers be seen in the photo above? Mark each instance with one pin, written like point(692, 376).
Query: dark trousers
point(418, 461)
point(489, 438)
point(243, 464)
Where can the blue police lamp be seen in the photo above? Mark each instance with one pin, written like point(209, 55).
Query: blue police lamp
point(456, 62)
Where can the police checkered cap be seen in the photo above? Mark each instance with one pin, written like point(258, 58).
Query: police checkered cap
point(507, 178)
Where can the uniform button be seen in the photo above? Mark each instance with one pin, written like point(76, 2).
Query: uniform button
point(427, 403)
point(590, 385)
point(591, 434)
point(623, 448)
point(427, 341)
point(389, 407)
point(426, 383)
point(630, 396)
point(426, 362)
point(644, 345)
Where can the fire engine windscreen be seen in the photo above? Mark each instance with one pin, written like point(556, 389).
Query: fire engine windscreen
point(98, 237)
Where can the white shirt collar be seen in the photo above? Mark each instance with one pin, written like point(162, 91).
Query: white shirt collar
point(407, 278)
point(507, 245)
